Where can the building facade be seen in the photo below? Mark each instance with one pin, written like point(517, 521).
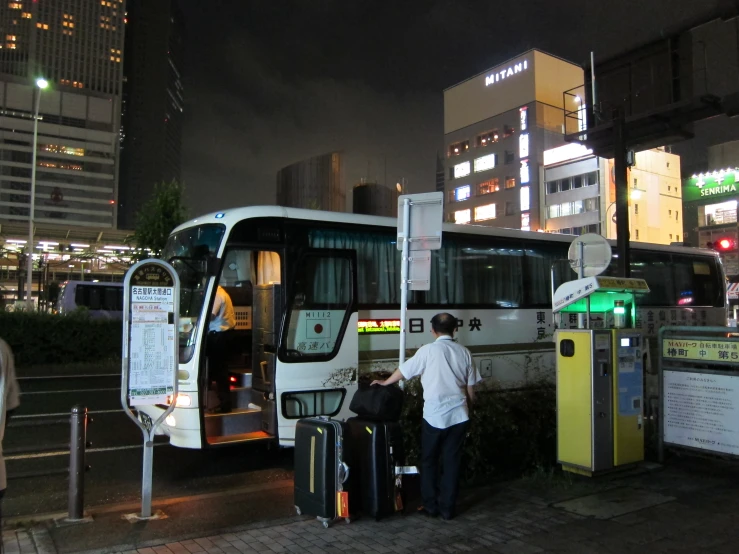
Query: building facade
point(710, 202)
point(497, 126)
point(580, 195)
point(375, 199)
point(315, 184)
point(153, 103)
point(78, 46)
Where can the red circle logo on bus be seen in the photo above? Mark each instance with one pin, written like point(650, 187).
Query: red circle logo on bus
point(318, 328)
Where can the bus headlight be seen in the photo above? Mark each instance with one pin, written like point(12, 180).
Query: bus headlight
point(183, 400)
point(170, 420)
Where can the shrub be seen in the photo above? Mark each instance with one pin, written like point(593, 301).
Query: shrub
point(38, 338)
point(511, 431)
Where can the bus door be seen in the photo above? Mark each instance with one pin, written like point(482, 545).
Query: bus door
point(316, 369)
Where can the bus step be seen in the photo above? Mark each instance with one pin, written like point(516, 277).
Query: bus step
point(236, 422)
point(244, 437)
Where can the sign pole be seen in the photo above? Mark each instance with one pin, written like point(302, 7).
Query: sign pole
point(150, 357)
point(404, 276)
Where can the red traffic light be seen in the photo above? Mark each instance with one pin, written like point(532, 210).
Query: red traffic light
point(725, 244)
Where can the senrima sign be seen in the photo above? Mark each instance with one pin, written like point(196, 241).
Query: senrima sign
point(505, 73)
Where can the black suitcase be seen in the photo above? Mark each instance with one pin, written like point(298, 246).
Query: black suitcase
point(378, 403)
point(377, 448)
point(320, 470)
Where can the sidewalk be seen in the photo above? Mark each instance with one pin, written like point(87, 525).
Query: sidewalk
point(689, 505)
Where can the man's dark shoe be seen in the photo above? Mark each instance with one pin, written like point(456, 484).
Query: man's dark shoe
point(424, 512)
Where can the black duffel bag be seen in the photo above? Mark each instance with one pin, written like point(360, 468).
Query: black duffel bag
point(378, 402)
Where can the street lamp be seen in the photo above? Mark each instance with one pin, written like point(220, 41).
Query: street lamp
point(41, 84)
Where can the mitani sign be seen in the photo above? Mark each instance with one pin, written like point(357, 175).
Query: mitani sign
point(506, 72)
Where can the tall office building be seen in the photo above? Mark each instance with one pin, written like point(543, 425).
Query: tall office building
point(153, 103)
point(316, 184)
point(78, 46)
point(497, 126)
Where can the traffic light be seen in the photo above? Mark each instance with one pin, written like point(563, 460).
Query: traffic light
point(724, 244)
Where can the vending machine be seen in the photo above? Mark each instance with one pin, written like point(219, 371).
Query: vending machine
point(600, 376)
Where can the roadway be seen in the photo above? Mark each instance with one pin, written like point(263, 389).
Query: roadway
point(37, 456)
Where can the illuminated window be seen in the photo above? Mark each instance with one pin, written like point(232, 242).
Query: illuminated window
point(459, 148)
point(11, 45)
point(486, 187)
point(462, 193)
point(71, 25)
point(59, 149)
point(112, 58)
point(461, 170)
point(524, 172)
point(462, 216)
point(65, 24)
point(525, 222)
point(483, 213)
point(523, 146)
point(15, 6)
point(510, 182)
point(525, 199)
point(44, 26)
point(10, 37)
point(26, 15)
point(485, 163)
point(487, 138)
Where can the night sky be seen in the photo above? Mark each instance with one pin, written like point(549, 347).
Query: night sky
point(270, 82)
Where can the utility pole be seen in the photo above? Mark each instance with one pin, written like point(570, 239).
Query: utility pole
point(622, 192)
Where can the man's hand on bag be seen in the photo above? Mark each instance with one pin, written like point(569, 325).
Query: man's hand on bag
point(376, 382)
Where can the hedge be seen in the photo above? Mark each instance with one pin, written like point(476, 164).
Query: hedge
point(38, 338)
point(512, 431)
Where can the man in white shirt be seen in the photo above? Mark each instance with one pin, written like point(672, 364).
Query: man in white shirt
point(9, 401)
point(222, 320)
point(448, 375)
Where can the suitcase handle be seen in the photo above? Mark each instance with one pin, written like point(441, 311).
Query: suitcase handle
point(343, 472)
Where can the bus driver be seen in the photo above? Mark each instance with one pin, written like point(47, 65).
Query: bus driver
point(222, 320)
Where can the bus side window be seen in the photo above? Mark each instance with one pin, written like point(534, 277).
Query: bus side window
point(96, 298)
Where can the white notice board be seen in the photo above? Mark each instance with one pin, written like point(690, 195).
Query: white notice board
point(701, 410)
point(152, 345)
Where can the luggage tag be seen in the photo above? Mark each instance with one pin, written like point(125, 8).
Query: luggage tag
point(342, 504)
point(398, 495)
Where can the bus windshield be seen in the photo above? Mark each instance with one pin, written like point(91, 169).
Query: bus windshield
point(188, 252)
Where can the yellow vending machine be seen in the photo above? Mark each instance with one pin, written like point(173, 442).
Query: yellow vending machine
point(600, 375)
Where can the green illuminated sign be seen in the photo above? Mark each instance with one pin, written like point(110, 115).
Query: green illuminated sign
point(717, 183)
point(379, 326)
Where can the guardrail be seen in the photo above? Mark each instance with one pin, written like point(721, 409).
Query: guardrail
point(77, 446)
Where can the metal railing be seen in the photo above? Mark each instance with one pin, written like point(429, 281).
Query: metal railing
point(77, 447)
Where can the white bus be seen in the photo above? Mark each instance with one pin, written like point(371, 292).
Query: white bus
point(103, 300)
point(317, 300)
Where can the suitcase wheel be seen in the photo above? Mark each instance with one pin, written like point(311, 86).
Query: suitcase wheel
point(298, 511)
point(325, 524)
point(348, 519)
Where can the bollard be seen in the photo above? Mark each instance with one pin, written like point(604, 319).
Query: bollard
point(77, 444)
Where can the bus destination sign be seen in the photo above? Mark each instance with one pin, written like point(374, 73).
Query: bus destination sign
point(379, 326)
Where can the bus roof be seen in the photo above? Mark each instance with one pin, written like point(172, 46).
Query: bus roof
point(231, 216)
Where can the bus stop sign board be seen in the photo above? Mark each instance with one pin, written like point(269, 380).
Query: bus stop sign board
point(151, 301)
point(152, 346)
